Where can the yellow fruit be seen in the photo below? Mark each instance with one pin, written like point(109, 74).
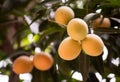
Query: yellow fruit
point(101, 23)
point(43, 61)
point(63, 15)
point(69, 49)
point(77, 29)
point(92, 45)
point(22, 64)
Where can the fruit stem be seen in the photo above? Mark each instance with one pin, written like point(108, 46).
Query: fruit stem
point(86, 6)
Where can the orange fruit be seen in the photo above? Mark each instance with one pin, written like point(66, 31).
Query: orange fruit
point(22, 64)
point(77, 29)
point(43, 61)
point(101, 23)
point(92, 45)
point(69, 49)
point(63, 15)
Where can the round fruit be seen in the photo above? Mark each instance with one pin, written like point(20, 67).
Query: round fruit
point(43, 61)
point(101, 23)
point(22, 64)
point(92, 45)
point(69, 49)
point(77, 29)
point(63, 15)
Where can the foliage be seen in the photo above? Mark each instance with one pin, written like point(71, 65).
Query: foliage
point(15, 30)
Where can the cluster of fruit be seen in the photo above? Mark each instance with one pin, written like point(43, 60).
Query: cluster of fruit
point(70, 48)
point(64, 14)
point(78, 36)
point(25, 64)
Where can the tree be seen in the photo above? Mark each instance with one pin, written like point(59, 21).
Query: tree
point(27, 25)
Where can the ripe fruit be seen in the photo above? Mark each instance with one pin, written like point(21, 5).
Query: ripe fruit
point(22, 64)
point(77, 29)
point(92, 45)
point(43, 61)
point(101, 22)
point(63, 15)
point(69, 49)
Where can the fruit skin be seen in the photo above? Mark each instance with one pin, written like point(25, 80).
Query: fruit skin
point(43, 61)
point(69, 49)
point(92, 45)
point(77, 29)
point(101, 22)
point(22, 64)
point(63, 15)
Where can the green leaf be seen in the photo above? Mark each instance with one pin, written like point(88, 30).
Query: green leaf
point(63, 67)
point(80, 13)
point(40, 13)
point(42, 76)
point(90, 17)
point(36, 38)
point(50, 28)
point(24, 42)
point(81, 64)
point(113, 3)
point(117, 79)
point(2, 55)
point(97, 62)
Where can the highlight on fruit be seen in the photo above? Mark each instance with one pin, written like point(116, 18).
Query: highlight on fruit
point(63, 15)
point(77, 29)
point(69, 49)
point(43, 61)
point(92, 45)
point(22, 64)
